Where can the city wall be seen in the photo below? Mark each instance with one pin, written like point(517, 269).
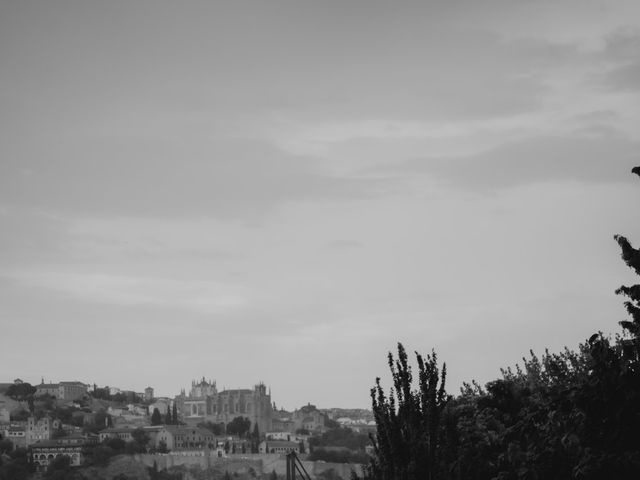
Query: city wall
point(260, 463)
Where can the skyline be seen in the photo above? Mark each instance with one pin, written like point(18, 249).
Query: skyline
point(281, 191)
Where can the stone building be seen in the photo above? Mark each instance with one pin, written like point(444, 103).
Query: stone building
point(45, 451)
point(180, 437)
point(148, 394)
point(205, 404)
point(5, 416)
point(16, 434)
point(42, 429)
point(309, 418)
point(279, 447)
point(125, 433)
point(63, 390)
point(162, 404)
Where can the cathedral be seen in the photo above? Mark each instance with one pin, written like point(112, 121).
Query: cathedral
point(204, 403)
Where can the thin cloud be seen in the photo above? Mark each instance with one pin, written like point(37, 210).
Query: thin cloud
point(233, 180)
point(344, 244)
point(197, 296)
point(618, 61)
point(623, 78)
point(534, 160)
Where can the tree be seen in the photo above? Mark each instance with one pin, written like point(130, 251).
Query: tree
point(331, 424)
point(117, 444)
point(21, 391)
point(6, 446)
point(215, 428)
point(167, 418)
point(59, 468)
point(175, 414)
point(139, 441)
point(101, 393)
point(59, 433)
point(329, 474)
point(162, 447)
point(20, 416)
point(153, 471)
point(631, 256)
point(610, 400)
point(255, 439)
point(239, 426)
point(101, 420)
point(156, 418)
point(408, 420)
point(17, 467)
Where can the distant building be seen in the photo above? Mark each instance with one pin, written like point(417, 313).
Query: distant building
point(135, 409)
point(16, 434)
point(279, 446)
point(162, 404)
point(5, 415)
point(45, 451)
point(132, 396)
point(283, 425)
point(309, 418)
point(288, 436)
point(148, 394)
point(180, 437)
point(42, 429)
point(126, 433)
point(63, 390)
point(205, 404)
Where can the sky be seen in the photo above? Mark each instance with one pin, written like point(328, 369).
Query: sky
point(281, 191)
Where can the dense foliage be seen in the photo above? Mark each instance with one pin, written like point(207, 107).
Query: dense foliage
point(568, 415)
point(340, 437)
point(14, 464)
point(239, 426)
point(338, 455)
point(21, 391)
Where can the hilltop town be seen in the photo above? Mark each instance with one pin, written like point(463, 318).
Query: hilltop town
point(236, 430)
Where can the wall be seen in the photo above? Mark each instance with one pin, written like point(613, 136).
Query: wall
point(261, 463)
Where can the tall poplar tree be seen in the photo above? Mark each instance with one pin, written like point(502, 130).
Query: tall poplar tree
point(631, 257)
point(407, 420)
point(156, 417)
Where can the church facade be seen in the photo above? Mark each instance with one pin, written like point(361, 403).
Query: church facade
point(204, 403)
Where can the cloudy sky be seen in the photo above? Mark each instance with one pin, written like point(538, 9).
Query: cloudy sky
point(280, 191)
